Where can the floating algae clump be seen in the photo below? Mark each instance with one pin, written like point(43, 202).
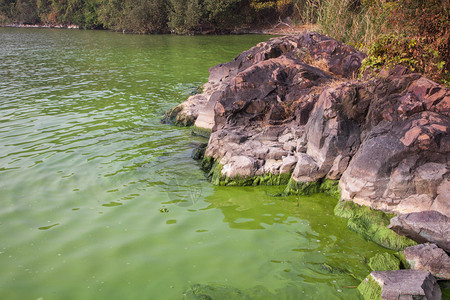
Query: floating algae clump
point(372, 225)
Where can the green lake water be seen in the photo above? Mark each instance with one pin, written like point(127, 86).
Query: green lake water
point(99, 200)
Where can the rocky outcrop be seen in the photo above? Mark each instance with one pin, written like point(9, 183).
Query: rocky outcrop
point(291, 107)
point(400, 284)
point(423, 227)
point(429, 257)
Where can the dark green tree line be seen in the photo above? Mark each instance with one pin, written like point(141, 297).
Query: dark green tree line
point(142, 16)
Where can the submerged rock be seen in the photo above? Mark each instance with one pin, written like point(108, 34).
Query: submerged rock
point(400, 284)
point(429, 257)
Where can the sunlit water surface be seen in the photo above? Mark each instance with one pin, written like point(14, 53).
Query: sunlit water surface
point(99, 200)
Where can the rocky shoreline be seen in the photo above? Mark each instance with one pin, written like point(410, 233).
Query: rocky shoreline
point(292, 112)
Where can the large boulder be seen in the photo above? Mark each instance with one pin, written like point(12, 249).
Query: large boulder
point(429, 257)
point(333, 57)
point(425, 226)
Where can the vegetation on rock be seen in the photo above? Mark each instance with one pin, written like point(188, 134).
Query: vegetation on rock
point(372, 225)
point(214, 172)
point(370, 289)
point(327, 186)
point(384, 262)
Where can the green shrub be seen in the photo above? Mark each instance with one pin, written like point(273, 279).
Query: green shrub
point(414, 53)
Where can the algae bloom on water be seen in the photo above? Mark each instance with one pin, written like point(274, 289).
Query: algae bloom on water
point(87, 180)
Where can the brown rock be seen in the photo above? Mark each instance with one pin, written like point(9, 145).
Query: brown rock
point(288, 164)
point(429, 257)
point(423, 227)
point(407, 284)
point(306, 169)
point(239, 166)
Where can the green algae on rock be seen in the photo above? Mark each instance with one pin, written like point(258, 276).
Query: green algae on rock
point(370, 289)
point(400, 284)
point(201, 131)
point(327, 186)
point(384, 262)
point(372, 225)
point(214, 172)
point(173, 116)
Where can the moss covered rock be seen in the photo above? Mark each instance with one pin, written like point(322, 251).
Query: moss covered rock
point(370, 289)
point(384, 262)
point(372, 225)
point(214, 172)
point(328, 186)
point(201, 131)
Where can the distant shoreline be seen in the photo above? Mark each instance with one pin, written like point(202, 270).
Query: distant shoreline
point(57, 26)
point(269, 30)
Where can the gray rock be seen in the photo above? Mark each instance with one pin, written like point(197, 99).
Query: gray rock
point(425, 226)
point(288, 164)
point(429, 257)
point(205, 118)
point(428, 178)
point(239, 166)
point(306, 169)
point(395, 171)
point(290, 146)
point(272, 166)
point(340, 164)
point(442, 201)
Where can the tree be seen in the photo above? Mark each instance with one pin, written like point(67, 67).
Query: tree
point(26, 12)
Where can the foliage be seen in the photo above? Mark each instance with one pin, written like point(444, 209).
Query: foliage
point(415, 53)
point(421, 40)
point(412, 33)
